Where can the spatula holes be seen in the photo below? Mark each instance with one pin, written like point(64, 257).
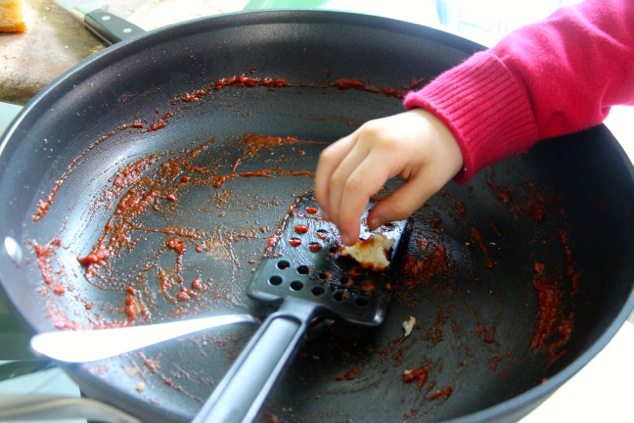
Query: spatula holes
point(297, 285)
point(315, 247)
point(276, 280)
point(283, 264)
point(361, 302)
point(340, 296)
point(301, 229)
point(324, 276)
point(389, 227)
point(318, 291)
point(322, 234)
point(303, 270)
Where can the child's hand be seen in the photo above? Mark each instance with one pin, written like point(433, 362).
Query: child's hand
point(413, 144)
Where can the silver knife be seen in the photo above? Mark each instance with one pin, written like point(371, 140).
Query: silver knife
point(82, 346)
point(107, 27)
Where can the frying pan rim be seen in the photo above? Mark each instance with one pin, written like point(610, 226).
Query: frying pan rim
point(121, 50)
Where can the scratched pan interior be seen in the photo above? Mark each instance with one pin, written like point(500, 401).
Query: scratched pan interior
point(469, 276)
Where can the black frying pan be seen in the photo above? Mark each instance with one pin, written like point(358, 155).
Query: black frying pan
point(174, 176)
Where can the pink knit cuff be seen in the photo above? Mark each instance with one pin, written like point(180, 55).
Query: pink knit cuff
point(485, 108)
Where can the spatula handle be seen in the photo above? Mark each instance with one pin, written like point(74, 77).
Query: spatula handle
point(243, 390)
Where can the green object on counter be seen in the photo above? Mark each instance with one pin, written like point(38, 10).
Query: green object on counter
point(284, 4)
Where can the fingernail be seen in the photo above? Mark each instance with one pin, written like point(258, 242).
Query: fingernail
point(374, 222)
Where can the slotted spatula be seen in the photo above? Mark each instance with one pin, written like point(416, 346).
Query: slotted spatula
point(303, 272)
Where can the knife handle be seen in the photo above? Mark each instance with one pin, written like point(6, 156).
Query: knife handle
point(110, 28)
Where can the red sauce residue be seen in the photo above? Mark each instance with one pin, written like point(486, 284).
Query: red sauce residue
point(572, 274)
point(151, 186)
point(60, 320)
point(532, 207)
point(322, 234)
point(433, 261)
point(185, 294)
point(531, 203)
point(42, 208)
point(501, 193)
point(315, 247)
point(418, 375)
point(295, 242)
point(96, 257)
point(160, 122)
point(435, 335)
point(43, 255)
point(240, 81)
point(494, 362)
point(312, 210)
point(552, 329)
point(178, 245)
point(442, 393)
point(477, 237)
point(131, 307)
point(349, 375)
point(355, 84)
point(487, 334)
point(197, 284)
point(460, 207)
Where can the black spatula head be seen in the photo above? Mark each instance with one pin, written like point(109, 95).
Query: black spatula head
point(304, 261)
point(304, 274)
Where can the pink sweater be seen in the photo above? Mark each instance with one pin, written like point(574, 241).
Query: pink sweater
point(558, 76)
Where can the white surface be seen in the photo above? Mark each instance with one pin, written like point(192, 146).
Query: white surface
point(621, 123)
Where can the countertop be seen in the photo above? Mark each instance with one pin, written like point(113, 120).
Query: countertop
point(601, 391)
point(54, 41)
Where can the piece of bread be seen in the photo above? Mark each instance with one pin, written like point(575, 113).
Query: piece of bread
point(12, 16)
point(371, 253)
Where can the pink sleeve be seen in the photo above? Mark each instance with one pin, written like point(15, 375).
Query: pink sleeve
point(558, 76)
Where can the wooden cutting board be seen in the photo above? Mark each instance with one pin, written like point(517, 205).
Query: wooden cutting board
point(55, 41)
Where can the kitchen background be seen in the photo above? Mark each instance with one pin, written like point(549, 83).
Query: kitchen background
point(55, 42)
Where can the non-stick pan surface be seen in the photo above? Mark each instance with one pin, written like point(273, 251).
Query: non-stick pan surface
point(145, 185)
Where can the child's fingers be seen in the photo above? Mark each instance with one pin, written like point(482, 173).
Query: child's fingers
point(404, 201)
point(329, 160)
point(361, 182)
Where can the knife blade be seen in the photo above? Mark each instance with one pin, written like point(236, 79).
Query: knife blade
point(107, 27)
